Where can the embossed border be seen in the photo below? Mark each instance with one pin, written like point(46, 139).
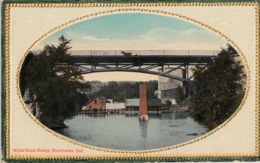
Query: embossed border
point(118, 11)
point(125, 154)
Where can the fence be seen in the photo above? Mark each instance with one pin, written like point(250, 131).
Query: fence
point(144, 52)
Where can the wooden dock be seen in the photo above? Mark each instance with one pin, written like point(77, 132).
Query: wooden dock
point(103, 111)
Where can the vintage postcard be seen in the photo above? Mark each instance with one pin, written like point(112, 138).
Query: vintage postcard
point(130, 81)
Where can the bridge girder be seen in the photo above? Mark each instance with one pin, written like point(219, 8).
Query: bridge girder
point(138, 71)
point(154, 69)
point(142, 64)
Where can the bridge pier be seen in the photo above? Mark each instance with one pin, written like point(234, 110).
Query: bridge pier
point(186, 83)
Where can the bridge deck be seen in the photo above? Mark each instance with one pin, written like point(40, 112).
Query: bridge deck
point(140, 59)
point(144, 52)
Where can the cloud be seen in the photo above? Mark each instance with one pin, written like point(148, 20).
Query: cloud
point(190, 35)
point(156, 38)
point(72, 34)
point(158, 34)
point(93, 38)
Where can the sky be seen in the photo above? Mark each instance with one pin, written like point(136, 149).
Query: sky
point(119, 76)
point(134, 31)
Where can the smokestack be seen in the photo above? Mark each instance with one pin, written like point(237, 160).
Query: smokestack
point(143, 110)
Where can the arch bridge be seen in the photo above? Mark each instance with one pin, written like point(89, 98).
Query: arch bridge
point(156, 62)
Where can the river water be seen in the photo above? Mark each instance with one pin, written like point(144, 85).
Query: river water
point(126, 132)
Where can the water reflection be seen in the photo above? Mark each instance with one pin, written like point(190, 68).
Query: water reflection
point(96, 115)
point(129, 114)
point(143, 127)
point(175, 115)
point(181, 115)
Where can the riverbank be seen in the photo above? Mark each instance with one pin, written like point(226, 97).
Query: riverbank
point(124, 111)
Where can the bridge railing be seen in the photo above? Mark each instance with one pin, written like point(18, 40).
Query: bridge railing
point(144, 52)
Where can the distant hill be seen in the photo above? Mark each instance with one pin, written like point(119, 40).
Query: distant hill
point(96, 85)
point(120, 91)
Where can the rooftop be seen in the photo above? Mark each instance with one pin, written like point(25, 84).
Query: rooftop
point(136, 102)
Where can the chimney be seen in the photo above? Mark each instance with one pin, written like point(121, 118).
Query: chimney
point(143, 110)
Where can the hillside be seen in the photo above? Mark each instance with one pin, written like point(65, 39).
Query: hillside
point(120, 91)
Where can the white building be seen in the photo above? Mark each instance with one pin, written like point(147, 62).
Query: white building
point(111, 106)
point(167, 86)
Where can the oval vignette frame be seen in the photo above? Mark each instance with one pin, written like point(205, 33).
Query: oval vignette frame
point(139, 10)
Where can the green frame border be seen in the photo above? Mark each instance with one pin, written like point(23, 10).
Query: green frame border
point(3, 88)
point(3, 85)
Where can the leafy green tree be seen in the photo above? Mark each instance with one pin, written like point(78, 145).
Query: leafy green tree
point(57, 89)
point(152, 86)
point(179, 94)
point(218, 89)
point(168, 103)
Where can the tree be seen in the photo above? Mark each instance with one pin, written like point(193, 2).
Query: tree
point(179, 94)
point(218, 88)
point(152, 86)
point(168, 103)
point(58, 90)
point(120, 91)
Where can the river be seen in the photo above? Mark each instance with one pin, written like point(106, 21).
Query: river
point(126, 132)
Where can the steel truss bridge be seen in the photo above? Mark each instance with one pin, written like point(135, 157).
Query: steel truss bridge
point(156, 62)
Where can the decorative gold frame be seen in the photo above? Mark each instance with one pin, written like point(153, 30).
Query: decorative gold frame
point(118, 153)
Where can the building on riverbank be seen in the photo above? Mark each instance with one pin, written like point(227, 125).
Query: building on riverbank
point(101, 105)
point(98, 103)
point(118, 105)
point(154, 105)
point(167, 87)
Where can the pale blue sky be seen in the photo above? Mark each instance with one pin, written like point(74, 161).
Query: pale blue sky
point(136, 31)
